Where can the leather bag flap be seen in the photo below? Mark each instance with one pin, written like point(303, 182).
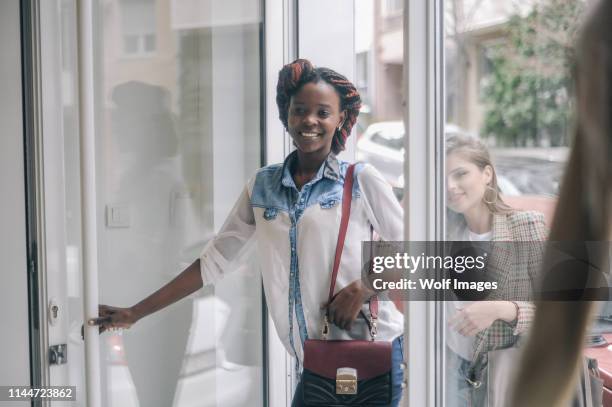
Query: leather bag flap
point(370, 358)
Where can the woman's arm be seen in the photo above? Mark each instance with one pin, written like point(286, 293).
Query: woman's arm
point(386, 216)
point(214, 261)
point(536, 235)
point(480, 315)
point(189, 281)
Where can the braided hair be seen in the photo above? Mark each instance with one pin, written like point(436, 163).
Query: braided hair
point(300, 72)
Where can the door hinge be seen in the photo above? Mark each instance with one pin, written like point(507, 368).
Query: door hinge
point(58, 354)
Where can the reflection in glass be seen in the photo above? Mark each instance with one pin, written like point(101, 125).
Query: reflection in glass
point(177, 134)
point(508, 85)
point(378, 62)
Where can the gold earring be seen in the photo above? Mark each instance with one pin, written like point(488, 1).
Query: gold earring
point(495, 195)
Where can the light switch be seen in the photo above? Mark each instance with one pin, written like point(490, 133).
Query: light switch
point(117, 216)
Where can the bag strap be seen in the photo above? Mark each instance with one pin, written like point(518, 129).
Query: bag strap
point(346, 213)
point(347, 195)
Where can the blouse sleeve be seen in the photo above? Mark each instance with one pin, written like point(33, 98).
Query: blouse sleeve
point(230, 242)
point(383, 210)
point(536, 233)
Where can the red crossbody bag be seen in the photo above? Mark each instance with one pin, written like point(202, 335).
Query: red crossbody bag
point(347, 372)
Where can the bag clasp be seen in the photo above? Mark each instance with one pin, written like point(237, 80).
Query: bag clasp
point(346, 380)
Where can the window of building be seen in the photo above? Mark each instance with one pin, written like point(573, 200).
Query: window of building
point(138, 27)
point(392, 7)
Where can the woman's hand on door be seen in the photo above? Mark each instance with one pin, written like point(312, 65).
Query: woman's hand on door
point(111, 318)
point(187, 282)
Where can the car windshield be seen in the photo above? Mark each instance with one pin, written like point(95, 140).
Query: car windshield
point(529, 175)
point(388, 139)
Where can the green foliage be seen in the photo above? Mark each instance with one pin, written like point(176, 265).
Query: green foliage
point(527, 96)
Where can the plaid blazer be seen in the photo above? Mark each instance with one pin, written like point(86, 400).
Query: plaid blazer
point(516, 268)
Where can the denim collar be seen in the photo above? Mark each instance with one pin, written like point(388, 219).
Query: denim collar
point(329, 169)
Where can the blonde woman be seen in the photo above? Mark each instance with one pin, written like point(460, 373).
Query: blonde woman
point(477, 212)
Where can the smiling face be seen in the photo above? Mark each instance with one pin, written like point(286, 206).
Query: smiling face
point(466, 184)
point(314, 115)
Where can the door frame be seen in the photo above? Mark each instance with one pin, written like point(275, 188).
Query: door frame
point(32, 129)
point(30, 11)
point(424, 212)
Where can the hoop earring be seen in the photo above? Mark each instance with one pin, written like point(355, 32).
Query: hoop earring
point(495, 194)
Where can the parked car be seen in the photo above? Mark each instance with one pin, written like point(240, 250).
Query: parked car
point(531, 171)
point(382, 145)
point(535, 174)
point(520, 172)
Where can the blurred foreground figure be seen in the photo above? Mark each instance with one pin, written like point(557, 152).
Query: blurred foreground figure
point(554, 352)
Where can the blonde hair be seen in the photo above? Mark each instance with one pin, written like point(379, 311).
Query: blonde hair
point(477, 153)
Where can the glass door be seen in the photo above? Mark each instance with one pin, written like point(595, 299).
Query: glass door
point(177, 96)
point(14, 243)
point(509, 117)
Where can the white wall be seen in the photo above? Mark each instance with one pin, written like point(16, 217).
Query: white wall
point(14, 369)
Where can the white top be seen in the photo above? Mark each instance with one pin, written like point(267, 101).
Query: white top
point(296, 234)
point(476, 237)
point(463, 345)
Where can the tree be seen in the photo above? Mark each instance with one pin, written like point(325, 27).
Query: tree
point(527, 96)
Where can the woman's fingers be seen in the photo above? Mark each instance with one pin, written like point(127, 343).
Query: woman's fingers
point(468, 329)
point(111, 318)
point(342, 312)
point(105, 310)
point(340, 320)
point(344, 307)
point(460, 323)
point(101, 321)
point(454, 320)
point(105, 313)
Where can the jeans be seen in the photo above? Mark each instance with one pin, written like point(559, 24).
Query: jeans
point(459, 393)
point(397, 376)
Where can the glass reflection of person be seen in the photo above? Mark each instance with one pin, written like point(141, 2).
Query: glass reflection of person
point(141, 256)
point(292, 210)
point(478, 213)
